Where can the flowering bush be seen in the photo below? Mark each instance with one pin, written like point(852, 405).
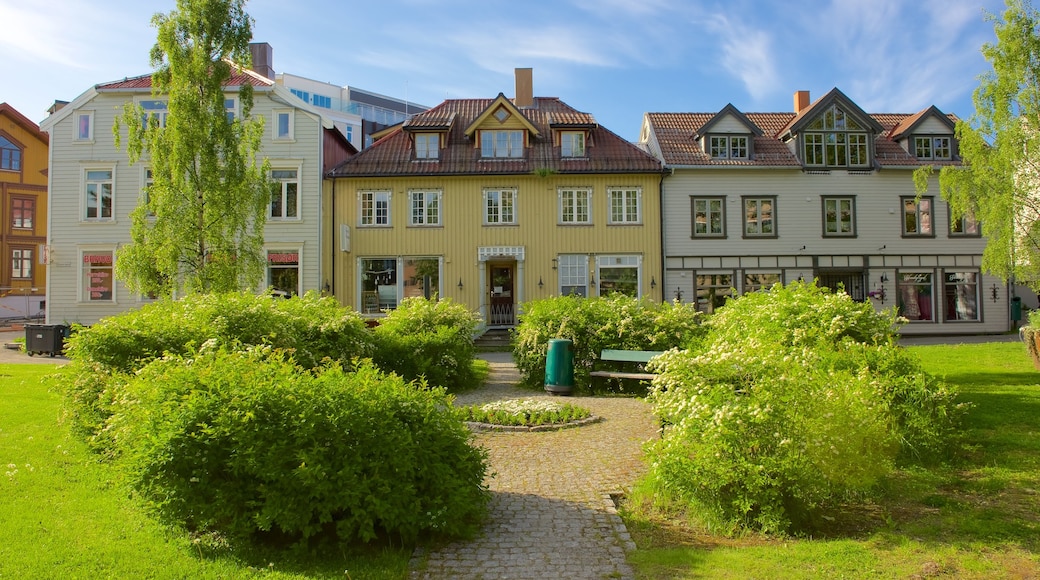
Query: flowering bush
point(525, 412)
point(797, 397)
point(429, 339)
point(593, 324)
point(240, 443)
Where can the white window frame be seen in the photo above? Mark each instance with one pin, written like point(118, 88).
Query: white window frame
point(290, 123)
point(21, 265)
point(707, 201)
point(421, 204)
point(427, 146)
point(161, 113)
point(728, 147)
point(502, 194)
point(573, 274)
point(618, 199)
point(513, 147)
point(950, 281)
point(572, 144)
point(619, 262)
point(283, 183)
point(759, 232)
point(369, 202)
point(82, 292)
point(838, 201)
point(575, 205)
point(283, 249)
point(77, 133)
point(912, 311)
point(147, 180)
point(86, 183)
point(231, 107)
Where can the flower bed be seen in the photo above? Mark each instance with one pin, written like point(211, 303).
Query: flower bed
point(526, 415)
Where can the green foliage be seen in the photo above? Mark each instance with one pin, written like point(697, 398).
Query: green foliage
point(524, 412)
point(311, 327)
point(594, 324)
point(245, 442)
point(797, 398)
point(999, 179)
point(429, 339)
point(201, 228)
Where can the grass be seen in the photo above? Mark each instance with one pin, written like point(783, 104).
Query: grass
point(63, 515)
point(977, 516)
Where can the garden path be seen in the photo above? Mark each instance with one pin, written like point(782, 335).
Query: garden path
point(551, 514)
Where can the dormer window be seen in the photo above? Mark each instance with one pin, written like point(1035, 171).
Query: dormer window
point(728, 147)
point(572, 144)
point(427, 146)
point(835, 140)
point(502, 143)
point(931, 147)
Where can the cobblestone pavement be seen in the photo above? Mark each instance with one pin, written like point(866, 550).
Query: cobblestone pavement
point(551, 514)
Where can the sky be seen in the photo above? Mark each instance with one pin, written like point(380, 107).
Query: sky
point(615, 59)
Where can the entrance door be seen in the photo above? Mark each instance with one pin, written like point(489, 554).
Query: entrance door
point(502, 294)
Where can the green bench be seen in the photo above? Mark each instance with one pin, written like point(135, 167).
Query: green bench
point(632, 356)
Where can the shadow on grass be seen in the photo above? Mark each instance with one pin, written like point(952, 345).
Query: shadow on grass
point(967, 381)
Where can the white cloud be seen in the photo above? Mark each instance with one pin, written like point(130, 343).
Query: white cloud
point(747, 54)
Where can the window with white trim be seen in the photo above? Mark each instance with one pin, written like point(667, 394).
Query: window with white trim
point(575, 205)
point(499, 207)
point(709, 217)
point(574, 274)
point(147, 181)
point(285, 195)
point(425, 208)
point(427, 146)
point(84, 130)
point(21, 263)
point(284, 124)
point(97, 276)
point(835, 139)
point(759, 217)
point(932, 147)
point(839, 216)
point(917, 217)
point(728, 146)
point(283, 271)
point(914, 292)
point(156, 109)
point(230, 108)
point(572, 144)
point(384, 282)
point(98, 188)
point(961, 296)
point(502, 143)
point(618, 275)
point(375, 208)
point(625, 205)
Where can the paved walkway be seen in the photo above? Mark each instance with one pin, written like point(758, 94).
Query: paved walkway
point(551, 515)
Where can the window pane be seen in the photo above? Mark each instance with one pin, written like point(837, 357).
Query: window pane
point(283, 272)
point(379, 278)
point(962, 296)
point(914, 296)
point(97, 276)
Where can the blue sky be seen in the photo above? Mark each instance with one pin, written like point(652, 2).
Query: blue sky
point(615, 59)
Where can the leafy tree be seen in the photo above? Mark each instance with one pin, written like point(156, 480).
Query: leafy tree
point(999, 182)
point(199, 226)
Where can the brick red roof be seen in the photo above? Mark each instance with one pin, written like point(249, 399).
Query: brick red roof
point(392, 155)
point(676, 133)
point(145, 82)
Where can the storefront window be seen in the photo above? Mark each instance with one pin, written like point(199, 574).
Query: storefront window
point(97, 276)
point(713, 290)
point(618, 274)
point(915, 296)
point(961, 295)
point(378, 284)
point(422, 277)
point(754, 282)
point(283, 272)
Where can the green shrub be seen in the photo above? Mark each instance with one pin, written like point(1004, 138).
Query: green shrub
point(797, 398)
point(594, 324)
point(240, 443)
point(428, 339)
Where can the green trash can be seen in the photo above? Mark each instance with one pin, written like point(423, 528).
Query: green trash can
point(1016, 308)
point(559, 366)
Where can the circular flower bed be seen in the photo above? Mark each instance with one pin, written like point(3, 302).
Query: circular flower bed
point(525, 415)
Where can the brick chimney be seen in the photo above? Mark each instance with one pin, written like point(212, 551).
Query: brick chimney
point(801, 100)
point(524, 88)
point(263, 59)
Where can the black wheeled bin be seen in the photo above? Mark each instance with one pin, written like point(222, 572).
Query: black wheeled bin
point(45, 338)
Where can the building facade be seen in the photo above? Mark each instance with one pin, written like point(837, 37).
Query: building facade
point(491, 203)
point(93, 188)
point(23, 211)
point(825, 193)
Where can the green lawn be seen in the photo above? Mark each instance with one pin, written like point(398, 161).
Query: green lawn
point(976, 517)
point(63, 516)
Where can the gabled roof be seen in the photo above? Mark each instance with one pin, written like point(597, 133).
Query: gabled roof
point(729, 111)
point(24, 122)
point(500, 101)
point(908, 125)
point(572, 120)
point(438, 121)
point(238, 78)
point(810, 113)
point(392, 154)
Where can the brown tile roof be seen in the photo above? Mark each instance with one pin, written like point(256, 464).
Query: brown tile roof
point(675, 134)
point(145, 82)
point(606, 152)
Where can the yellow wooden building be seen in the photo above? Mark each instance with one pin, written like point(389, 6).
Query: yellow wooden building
point(493, 203)
point(23, 215)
